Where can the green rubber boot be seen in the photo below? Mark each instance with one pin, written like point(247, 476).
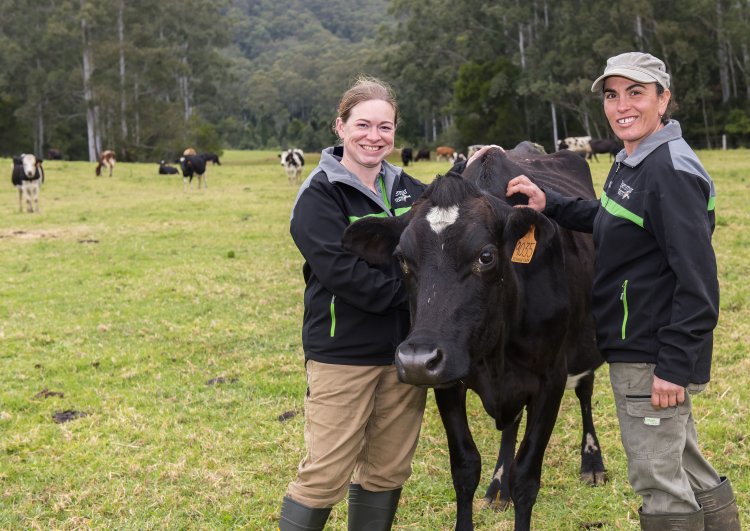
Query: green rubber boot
point(297, 517)
point(672, 521)
point(719, 507)
point(372, 511)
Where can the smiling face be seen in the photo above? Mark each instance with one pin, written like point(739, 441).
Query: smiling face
point(368, 135)
point(633, 109)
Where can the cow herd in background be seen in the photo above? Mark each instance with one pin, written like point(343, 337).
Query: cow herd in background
point(28, 174)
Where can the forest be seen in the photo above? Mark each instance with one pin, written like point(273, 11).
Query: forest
point(148, 77)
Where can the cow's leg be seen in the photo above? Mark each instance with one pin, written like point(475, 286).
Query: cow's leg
point(526, 474)
point(20, 199)
point(497, 496)
point(465, 460)
point(592, 465)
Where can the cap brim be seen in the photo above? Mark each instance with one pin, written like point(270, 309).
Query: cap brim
point(630, 73)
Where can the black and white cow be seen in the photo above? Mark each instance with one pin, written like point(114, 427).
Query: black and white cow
point(456, 157)
point(193, 165)
point(166, 169)
point(499, 300)
point(27, 176)
point(211, 157)
point(604, 145)
point(473, 149)
point(407, 156)
point(292, 160)
point(576, 144)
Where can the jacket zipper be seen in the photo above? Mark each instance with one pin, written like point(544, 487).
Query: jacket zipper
point(624, 299)
point(333, 315)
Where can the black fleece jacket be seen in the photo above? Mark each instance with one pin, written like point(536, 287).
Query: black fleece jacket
point(656, 291)
point(355, 313)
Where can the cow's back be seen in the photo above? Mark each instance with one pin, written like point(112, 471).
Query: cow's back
point(564, 172)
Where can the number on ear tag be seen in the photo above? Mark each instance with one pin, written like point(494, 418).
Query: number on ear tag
point(524, 248)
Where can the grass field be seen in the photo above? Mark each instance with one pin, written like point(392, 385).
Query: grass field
point(170, 322)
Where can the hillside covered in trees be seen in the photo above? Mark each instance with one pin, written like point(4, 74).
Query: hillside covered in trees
point(148, 77)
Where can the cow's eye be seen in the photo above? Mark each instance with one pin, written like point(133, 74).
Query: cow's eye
point(487, 256)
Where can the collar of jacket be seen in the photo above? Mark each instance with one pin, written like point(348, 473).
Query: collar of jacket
point(330, 163)
point(671, 131)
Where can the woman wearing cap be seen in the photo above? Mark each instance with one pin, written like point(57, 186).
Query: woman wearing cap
point(655, 295)
point(361, 423)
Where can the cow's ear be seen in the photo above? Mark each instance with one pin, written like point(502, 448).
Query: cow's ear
point(375, 239)
point(527, 232)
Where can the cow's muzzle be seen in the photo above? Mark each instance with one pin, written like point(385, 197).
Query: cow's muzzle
point(426, 365)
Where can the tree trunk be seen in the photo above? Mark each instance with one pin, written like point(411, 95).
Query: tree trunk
point(39, 130)
point(723, 54)
point(184, 85)
point(555, 138)
point(123, 103)
point(88, 91)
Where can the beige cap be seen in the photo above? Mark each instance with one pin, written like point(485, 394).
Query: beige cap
point(640, 67)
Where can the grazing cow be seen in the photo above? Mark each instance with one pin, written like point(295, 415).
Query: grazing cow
point(499, 300)
point(422, 154)
point(27, 177)
point(457, 157)
point(292, 160)
point(604, 145)
point(444, 153)
point(576, 144)
point(193, 165)
point(211, 157)
point(106, 158)
point(166, 169)
point(473, 149)
point(406, 156)
point(54, 154)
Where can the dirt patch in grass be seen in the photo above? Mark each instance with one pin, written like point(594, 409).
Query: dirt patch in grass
point(67, 415)
point(82, 234)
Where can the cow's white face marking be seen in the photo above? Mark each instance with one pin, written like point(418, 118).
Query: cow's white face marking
point(29, 165)
point(439, 218)
point(573, 379)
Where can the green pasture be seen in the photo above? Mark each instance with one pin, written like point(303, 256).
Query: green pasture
point(170, 320)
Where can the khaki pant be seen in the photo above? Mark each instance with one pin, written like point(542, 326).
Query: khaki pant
point(361, 426)
point(665, 465)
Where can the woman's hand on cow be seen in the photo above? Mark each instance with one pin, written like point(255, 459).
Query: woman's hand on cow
point(523, 185)
point(481, 152)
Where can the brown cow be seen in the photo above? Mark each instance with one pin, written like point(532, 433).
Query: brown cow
point(189, 151)
point(106, 158)
point(444, 153)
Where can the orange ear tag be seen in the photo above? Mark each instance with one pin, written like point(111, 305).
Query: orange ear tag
point(524, 248)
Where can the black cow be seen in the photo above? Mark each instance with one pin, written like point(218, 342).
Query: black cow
point(422, 154)
point(499, 301)
point(54, 154)
point(193, 165)
point(604, 145)
point(210, 157)
point(166, 169)
point(406, 156)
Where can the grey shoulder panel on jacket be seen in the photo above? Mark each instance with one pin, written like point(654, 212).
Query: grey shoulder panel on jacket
point(684, 159)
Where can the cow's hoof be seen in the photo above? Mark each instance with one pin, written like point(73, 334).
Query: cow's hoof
point(497, 504)
point(594, 478)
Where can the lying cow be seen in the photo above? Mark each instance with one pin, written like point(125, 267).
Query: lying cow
point(27, 176)
point(604, 145)
point(456, 157)
point(499, 300)
point(166, 169)
point(576, 144)
point(106, 159)
point(444, 153)
point(193, 165)
point(292, 160)
point(211, 157)
point(406, 156)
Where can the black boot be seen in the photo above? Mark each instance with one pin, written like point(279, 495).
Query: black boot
point(672, 521)
point(719, 507)
point(297, 517)
point(372, 511)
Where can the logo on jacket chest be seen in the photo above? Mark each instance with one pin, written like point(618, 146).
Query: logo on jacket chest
point(401, 196)
point(624, 191)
